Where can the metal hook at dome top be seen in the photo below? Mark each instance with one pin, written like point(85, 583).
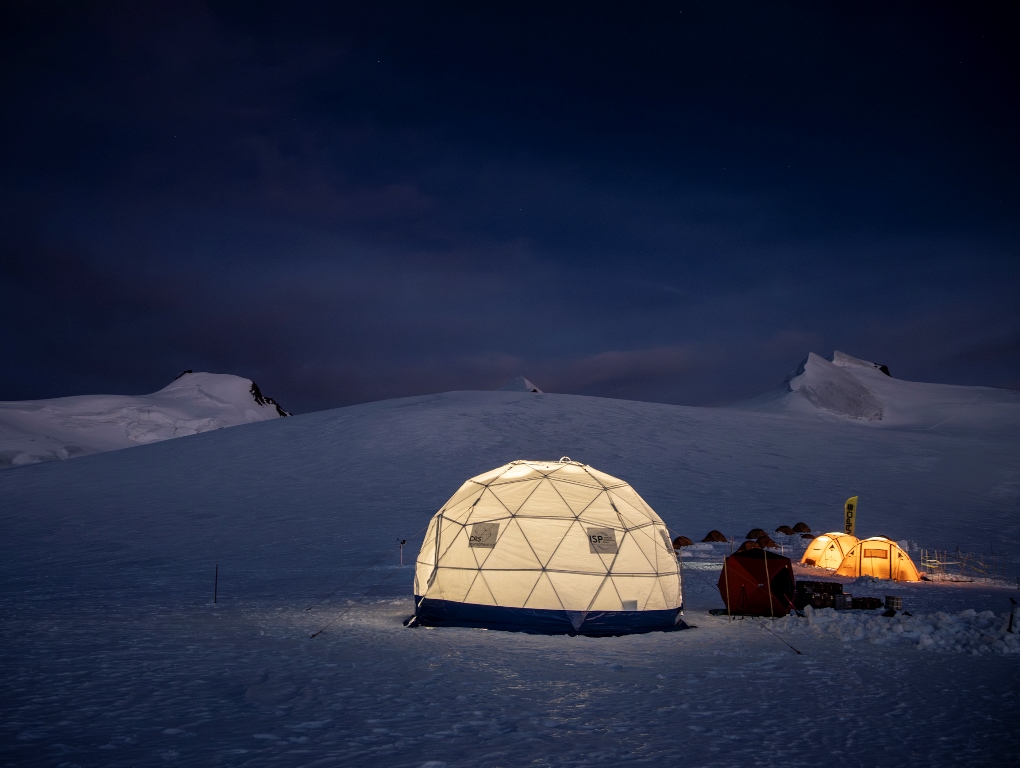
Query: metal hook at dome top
point(565, 460)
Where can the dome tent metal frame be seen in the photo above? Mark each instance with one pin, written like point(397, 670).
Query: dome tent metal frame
point(551, 547)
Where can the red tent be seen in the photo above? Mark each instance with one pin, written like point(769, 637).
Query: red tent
point(758, 583)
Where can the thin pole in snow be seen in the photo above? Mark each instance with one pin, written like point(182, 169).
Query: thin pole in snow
point(216, 583)
point(729, 597)
point(1012, 611)
point(680, 559)
point(382, 557)
point(402, 543)
point(352, 605)
point(762, 625)
point(768, 582)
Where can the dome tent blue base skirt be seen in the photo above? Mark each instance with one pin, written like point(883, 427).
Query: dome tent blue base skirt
point(447, 613)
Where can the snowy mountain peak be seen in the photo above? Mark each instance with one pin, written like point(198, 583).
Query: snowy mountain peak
point(844, 360)
point(32, 431)
point(832, 387)
point(519, 384)
point(850, 388)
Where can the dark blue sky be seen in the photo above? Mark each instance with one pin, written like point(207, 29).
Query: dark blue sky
point(355, 201)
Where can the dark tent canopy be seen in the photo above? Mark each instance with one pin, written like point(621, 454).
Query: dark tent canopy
point(785, 529)
point(755, 533)
point(757, 583)
point(681, 541)
point(802, 528)
point(714, 536)
point(766, 541)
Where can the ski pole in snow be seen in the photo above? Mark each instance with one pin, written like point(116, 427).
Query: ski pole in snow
point(762, 625)
point(402, 543)
point(1012, 613)
point(216, 582)
point(352, 605)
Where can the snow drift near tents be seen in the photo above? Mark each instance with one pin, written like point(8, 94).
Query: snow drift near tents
point(965, 631)
point(32, 431)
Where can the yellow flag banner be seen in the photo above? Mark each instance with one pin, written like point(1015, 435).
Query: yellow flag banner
point(850, 516)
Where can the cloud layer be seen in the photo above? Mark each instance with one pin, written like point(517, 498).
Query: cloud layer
point(348, 205)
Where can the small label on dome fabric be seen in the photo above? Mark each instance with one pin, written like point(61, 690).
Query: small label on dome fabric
point(483, 535)
point(602, 541)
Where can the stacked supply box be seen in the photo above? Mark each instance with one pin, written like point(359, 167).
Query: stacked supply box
point(822, 594)
point(866, 603)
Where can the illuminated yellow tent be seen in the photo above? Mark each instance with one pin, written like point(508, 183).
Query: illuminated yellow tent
point(548, 546)
point(879, 557)
point(828, 550)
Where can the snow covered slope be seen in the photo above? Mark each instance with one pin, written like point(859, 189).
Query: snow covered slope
point(114, 654)
point(846, 387)
point(43, 430)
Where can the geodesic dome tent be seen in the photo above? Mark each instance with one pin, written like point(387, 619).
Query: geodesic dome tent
point(879, 557)
point(549, 547)
point(828, 550)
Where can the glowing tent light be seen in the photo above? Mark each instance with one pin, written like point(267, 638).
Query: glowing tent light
point(550, 547)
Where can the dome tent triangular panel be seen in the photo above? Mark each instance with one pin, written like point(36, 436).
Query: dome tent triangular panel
point(634, 516)
point(577, 495)
point(629, 558)
point(545, 502)
point(511, 551)
point(506, 585)
point(555, 564)
point(545, 535)
point(512, 495)
point(600, 512)
point(573, 553)
point(543, 596)
point(479, 592)
point(463, 507)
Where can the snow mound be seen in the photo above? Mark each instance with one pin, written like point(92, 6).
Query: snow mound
point(831, 387)
point(964, 632)
point(32, 431)
point(848, 388)
point(519, 384)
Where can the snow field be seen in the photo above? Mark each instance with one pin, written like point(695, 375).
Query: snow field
point(113, 655)
point(240, 684)
point(36, 431)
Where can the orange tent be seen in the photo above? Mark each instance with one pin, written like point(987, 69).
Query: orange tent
point(829, 549)
point(881, 558)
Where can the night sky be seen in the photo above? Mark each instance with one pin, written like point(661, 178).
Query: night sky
point(355, 201)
